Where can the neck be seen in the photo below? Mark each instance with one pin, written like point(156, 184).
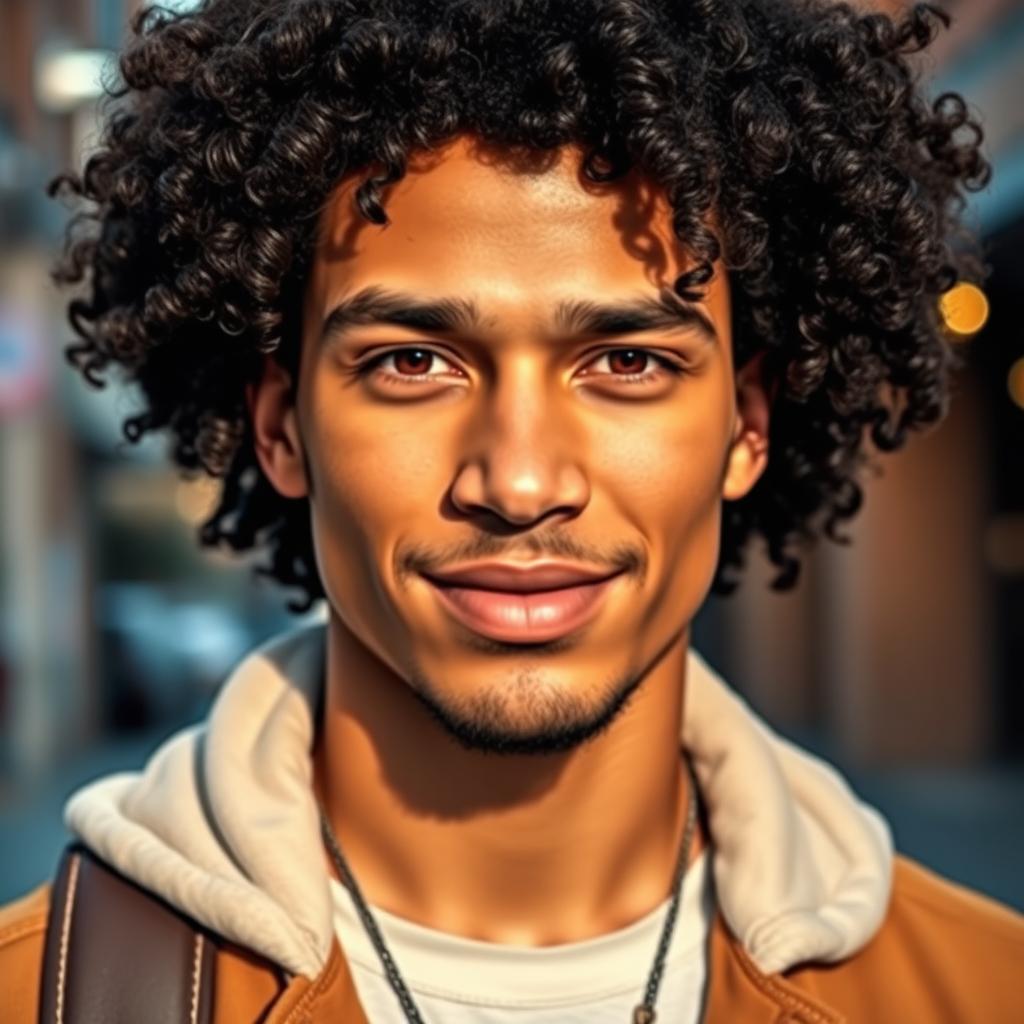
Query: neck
point(522, 849)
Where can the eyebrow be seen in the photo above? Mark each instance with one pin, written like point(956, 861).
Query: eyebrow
point(455, 314)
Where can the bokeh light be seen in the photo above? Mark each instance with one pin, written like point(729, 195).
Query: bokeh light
point(1015, 382)
point(964, 309)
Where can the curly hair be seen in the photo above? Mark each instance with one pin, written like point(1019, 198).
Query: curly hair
point(836, 188)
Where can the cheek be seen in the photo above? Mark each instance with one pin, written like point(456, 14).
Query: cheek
point(374, 478)
point(666, 469)
point(663, 475)
point(371, 467)
point(379, 477)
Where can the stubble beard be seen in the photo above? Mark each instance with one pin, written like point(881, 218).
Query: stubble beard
point(528, 715)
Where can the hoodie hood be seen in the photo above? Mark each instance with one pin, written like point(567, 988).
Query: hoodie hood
point(223, 825)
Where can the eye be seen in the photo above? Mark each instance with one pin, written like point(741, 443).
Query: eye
point(413, 365)
point(407, 366)
point(633, 366)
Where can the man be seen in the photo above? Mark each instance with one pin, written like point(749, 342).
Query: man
point(508, 325)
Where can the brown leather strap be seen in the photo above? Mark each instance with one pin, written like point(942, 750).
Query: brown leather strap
point(117, 954)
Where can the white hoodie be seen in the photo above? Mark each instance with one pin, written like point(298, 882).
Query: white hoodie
point(222, 822)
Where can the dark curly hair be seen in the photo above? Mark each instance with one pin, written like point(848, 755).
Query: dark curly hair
point(799, 125)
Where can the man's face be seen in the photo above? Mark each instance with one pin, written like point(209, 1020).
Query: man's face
point(502, 429)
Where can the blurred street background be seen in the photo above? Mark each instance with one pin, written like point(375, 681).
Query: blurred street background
point(900, 658)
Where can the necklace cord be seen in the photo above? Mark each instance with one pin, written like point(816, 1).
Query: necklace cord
point(644, 1013)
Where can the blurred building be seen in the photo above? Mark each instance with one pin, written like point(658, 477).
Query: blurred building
point(110, 616)
point(908, 646)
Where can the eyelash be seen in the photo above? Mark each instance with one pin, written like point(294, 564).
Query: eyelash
point(372, 365)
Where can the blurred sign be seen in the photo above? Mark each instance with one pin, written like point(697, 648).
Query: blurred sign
point(23, 364)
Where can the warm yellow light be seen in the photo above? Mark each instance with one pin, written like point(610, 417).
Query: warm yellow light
point(1015, 382)
point(964, 309)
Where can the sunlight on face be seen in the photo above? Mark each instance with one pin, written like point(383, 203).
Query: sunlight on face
point(501, 373)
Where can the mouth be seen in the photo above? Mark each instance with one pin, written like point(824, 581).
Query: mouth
point(518, 616)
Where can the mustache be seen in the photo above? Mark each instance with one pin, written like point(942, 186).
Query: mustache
point(418, 558)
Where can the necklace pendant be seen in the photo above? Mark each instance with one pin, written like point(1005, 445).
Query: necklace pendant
point(643, 1015)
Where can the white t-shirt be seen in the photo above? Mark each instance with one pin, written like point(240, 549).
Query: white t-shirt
point(454, 980)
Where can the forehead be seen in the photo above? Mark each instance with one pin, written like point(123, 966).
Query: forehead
point(516, 237)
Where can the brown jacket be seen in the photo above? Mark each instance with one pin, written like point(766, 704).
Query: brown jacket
point(944, 954)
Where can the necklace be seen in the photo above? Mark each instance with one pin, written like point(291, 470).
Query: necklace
point(643, 1013)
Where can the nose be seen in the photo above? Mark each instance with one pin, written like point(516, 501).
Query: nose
point(522, 457)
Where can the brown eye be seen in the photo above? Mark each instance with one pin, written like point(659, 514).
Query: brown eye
point(412, 361)
point(628, 360)
point(633, 366)
point(410, 365)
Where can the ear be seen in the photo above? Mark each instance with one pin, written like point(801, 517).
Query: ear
point(748, 452)
point(275, 427)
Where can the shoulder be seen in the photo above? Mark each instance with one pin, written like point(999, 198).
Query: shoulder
point(923, 898)
point(22, 939)
point(943, 952)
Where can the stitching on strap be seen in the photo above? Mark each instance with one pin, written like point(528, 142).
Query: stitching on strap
point(197, 962)
point(65, 936)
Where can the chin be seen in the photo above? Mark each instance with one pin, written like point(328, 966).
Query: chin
point(528, 714)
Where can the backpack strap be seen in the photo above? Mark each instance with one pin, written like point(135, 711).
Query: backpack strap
point(117, 954)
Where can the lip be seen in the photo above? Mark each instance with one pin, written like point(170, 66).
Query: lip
point(522, 577)
point(524, 616)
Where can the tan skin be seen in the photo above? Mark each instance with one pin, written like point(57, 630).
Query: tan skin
point(516, 440)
